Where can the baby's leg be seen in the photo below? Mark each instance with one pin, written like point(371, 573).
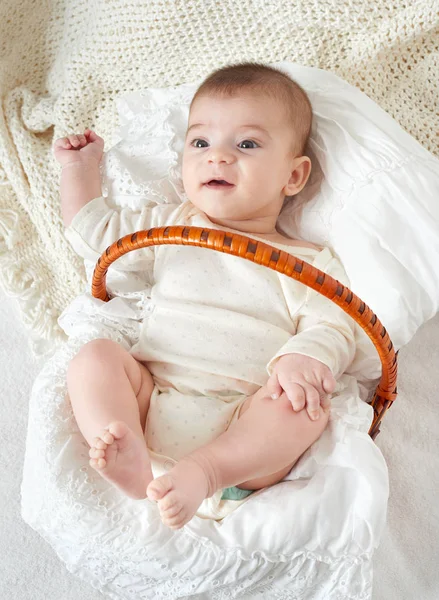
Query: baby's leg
point(306, 433)
point(110, 392)
point(257, 450)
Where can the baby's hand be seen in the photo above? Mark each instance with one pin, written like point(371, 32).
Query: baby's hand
point(306, 381)
point(78, 148)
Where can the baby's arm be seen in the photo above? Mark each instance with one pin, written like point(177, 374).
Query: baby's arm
point(92, 223)
point(311, 361)
point(80, 156)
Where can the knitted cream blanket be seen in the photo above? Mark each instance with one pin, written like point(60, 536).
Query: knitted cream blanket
point(63, 63)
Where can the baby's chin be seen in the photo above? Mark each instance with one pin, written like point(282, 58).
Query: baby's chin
point(217, 208)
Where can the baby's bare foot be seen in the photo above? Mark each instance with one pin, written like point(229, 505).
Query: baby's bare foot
point(179, 493)
point(122, 458)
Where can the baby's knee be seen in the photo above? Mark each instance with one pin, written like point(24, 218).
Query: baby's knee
point(92, 354)
point(283, 410)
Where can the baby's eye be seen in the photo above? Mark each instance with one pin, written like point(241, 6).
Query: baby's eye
point(197, 141)
point(249, 142)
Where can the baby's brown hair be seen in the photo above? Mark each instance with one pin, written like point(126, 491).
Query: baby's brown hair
point(230, 80)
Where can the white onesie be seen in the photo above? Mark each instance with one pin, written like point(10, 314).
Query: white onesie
point(214, 326)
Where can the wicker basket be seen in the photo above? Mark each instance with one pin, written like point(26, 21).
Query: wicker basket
point(273, 258)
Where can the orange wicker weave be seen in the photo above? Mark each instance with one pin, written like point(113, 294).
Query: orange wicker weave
point(278, 260)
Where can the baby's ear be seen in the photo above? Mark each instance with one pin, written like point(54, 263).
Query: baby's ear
point(300, 172)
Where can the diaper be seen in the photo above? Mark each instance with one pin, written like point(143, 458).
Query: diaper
point(235, 493)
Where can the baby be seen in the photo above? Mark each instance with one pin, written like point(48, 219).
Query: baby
point(231, 378)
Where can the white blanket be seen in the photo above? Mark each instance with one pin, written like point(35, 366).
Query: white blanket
point(63, 64)
point(312, 535)
point(405, 563)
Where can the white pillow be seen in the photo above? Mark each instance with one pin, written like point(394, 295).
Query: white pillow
point(373, 196)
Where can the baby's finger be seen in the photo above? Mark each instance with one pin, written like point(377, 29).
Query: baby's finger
point(315, 378)
point(62, 143)
point(296, 395)
point(312, 402)
point(92, 136)
point(82, 139)
point(329, 383)
point(325, 400)
point(274, 388)
point(73, 139)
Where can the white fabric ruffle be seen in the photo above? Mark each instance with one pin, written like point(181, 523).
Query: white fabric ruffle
point(311, 536)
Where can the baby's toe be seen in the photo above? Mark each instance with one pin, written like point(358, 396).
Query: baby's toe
point(97, 463)
point(96, 453)
point(99, 443)
point(177, 521)
point(169, 501)
point(169, 507)
point(106, 437)
point(159, 487)
point(118, 429)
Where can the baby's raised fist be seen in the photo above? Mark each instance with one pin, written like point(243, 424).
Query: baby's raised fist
point(79, 148)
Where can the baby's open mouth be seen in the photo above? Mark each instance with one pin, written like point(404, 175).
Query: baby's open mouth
point(218, 183)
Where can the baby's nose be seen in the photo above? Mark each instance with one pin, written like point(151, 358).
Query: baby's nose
point(219, 155)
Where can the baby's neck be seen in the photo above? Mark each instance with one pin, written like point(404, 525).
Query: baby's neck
point(261, 227)
point(265, 230)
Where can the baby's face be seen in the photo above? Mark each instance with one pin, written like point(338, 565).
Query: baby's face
point(245, 141)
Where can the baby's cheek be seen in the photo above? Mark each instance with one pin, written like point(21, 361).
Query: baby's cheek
point(186, 173)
